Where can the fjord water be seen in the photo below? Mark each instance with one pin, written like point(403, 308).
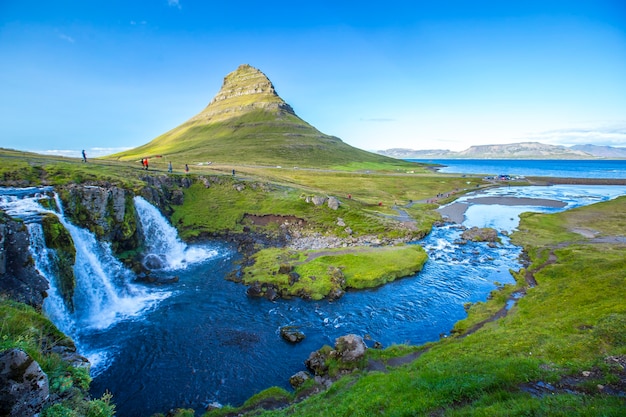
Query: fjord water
point(593, 168)
point(202, 340)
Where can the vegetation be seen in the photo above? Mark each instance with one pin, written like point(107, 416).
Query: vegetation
point(315, 274)
point(24, 328)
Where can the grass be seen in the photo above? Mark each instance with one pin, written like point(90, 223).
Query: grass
point(320, 272)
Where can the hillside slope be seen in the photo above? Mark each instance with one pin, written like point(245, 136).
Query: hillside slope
point(247, 122)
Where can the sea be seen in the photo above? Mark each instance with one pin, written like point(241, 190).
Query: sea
point(592, 168)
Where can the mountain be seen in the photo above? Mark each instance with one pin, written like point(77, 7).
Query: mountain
point(522, 150)
point(248, 122)
point(601, 151)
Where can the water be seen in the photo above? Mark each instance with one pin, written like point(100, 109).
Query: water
point(533, 168)
point(201, 340)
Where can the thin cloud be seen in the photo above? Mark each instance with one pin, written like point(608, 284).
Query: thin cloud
point(378, 120)
point(66, 38)
point(599, 135)
point(174, 3)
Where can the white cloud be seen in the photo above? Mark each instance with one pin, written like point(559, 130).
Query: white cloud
point(614, 135)
point(174, 3)
point(66, 38)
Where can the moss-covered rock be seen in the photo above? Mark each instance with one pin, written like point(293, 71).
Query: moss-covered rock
point(58, 238)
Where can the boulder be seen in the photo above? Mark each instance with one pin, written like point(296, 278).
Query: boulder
point(480, 234)
point(23, 385)
point(318, 200)
point(350, 348)
point(292, 334)
point(333, 203)
point(299, 379)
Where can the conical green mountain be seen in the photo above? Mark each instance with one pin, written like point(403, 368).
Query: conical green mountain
point(248, 123)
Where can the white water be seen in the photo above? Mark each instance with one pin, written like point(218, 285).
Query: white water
point(105, 292)
point(164, 250)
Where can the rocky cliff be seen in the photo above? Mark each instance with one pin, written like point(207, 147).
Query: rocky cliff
point(19, 280)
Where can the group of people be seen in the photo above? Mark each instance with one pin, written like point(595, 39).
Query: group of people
point(170, 169)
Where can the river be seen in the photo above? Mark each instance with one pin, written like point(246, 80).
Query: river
point(201, 340)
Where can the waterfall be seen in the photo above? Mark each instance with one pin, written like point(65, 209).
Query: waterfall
point(164, 250)
point(104, 292)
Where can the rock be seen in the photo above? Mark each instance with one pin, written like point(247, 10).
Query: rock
point(239, 187)
point(177, 197)
point(19, 280)
point(293, 277)
point(292, 334)
point(350, 348)
point(318, 200)
point(317, 361)
point(285, 269)
point(299, 379)
point(205, 181)
point(484, 234)
point(23, 385)
point(333, 203)
point(340, 222)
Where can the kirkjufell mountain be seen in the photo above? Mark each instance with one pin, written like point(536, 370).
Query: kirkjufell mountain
point(248, 122)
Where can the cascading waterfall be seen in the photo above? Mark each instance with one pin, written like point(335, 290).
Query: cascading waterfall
point(164, 250)
point(105, 292)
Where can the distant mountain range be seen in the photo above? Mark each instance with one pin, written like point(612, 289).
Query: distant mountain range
point(522, 150)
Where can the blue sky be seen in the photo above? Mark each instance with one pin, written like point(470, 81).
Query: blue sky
point(417, 74)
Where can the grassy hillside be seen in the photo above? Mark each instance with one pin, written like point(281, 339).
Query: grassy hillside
point(560, 351)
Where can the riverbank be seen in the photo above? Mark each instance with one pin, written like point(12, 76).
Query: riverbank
point(455, 212)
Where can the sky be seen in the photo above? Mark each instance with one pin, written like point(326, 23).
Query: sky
point(111, 75)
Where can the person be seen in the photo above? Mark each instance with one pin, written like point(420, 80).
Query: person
point(146, 164)
point(186, 168)
point(233, 172)
point(84, 156)
point(169, 167)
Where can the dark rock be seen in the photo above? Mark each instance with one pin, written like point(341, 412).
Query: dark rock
point(23, 385)
point(19, 280)
point(292, 334)
point(285, 269)
point(293, 278)
point(299, 379)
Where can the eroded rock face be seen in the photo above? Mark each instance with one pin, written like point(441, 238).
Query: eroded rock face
point(243, 90)
point(23, 385)
point(108, 211)
point(19, 280)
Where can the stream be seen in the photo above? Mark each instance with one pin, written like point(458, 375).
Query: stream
point(201, 340)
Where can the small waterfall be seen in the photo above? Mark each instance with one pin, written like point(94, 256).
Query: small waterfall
point(53, 304)
point(164, 250)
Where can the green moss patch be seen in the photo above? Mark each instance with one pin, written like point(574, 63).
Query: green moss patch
point(317, 274)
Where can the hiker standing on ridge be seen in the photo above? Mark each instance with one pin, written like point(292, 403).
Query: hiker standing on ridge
point(84, 156)
point(169, 167)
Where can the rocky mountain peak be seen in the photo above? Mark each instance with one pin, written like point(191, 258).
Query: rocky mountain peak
point(245, 89)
